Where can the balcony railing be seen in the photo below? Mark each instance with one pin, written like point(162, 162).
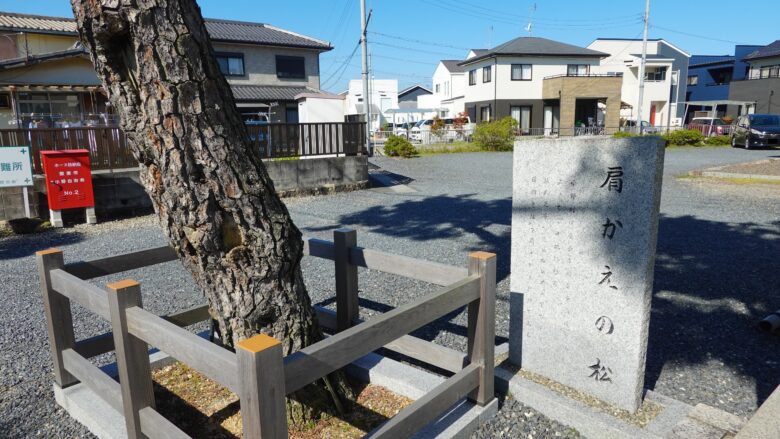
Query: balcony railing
point(587, 75)
point(772, 74)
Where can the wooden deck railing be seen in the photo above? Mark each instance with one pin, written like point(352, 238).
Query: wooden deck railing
point(257, 372)
point(108, 148)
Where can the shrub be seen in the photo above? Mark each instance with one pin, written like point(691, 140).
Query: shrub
point(497, 135)
point(717, 140)
point(684, 137)
point(623, 134)
point(397, 146)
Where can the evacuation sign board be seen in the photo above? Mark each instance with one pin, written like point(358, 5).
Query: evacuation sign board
point(68, 179)
point(15, 166)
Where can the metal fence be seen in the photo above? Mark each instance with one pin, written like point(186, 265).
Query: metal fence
point(108, 148)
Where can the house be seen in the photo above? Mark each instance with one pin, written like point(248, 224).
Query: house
point(449, 87)
point(407, 98)
point(665, 65)
point(44, 70)
point(760, 89)
point(383, 97)
point(543, 84)
point(709, 79)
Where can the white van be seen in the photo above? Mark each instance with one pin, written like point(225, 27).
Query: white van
point(421, 132)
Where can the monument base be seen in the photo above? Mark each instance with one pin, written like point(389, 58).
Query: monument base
point(676, 420)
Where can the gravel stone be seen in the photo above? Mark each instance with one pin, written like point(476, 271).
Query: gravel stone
point(715, 278)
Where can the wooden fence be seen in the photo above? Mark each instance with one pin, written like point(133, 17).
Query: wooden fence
point(257, 372)
point(108, 147)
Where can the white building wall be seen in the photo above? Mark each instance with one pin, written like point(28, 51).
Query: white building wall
point(317, 110)
point(384, 96)
point(501, 85)
point(656, 93)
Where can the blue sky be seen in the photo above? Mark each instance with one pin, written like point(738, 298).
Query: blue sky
point(405, 29)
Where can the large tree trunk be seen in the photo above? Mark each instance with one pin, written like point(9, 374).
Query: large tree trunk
point(214, 198)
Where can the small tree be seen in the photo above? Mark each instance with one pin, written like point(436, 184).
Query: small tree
point(497, 135)
point(397, 146)
point(437, 127)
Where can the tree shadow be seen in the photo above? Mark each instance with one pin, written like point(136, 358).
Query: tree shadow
point(713, 282)
point(19, 246)
point(443, 217)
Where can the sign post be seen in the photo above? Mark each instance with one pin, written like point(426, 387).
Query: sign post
point(69, 183)
point(16, 171)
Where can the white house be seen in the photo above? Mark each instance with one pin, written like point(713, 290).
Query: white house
point(543, 84)
point(449, 88)
point(384, 97)
point(664, 95)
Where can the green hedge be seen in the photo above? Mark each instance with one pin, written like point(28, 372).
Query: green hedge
point(717, 140)
point(684, 137)
point(498, 135)
point(397, 146)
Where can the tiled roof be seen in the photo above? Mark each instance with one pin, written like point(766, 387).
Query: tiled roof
point(219, 30)
point(452, 65)
point(34, 59)
point(535, 46)
point(767, 51)
point(268, 92)
point(410, 89)
point(703, 60)
point(257, 33)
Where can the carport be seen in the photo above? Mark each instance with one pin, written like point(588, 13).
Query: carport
point(713, 105)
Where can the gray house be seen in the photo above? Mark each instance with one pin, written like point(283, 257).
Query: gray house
point(44, 70)
point(407, 98)
point(761, 86)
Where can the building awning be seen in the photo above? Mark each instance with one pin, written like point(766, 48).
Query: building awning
point(721, 102)
point(50, 88)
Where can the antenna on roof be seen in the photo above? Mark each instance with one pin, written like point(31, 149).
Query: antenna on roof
point(530, 25)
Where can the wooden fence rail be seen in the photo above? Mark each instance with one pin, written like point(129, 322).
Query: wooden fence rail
point(109, 150)
point(257, 371)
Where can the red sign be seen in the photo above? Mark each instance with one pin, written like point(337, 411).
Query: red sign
point(68, 179)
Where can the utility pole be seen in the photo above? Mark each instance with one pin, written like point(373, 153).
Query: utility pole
point(366, 96)
point(642, 70)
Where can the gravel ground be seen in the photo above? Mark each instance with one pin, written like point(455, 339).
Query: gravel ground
point(757, 168)
point(713, 280)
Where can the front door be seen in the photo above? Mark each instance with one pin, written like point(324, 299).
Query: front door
point(652, 115)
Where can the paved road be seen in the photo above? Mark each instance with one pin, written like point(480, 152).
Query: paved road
point(716, 275)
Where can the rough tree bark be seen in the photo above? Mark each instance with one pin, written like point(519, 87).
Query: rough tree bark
point(213, 196)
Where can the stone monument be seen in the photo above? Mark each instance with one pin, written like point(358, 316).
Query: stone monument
point(584, 228)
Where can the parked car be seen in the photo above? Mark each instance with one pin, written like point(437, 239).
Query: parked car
point(710, 126)
point(421, 130)
point(756, 130)
point(631, 126)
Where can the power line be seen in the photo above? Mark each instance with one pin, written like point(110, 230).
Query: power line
point(695, 35)
point(413, 49)
point(427, 63)
point(573, 21)
point(342, 68)
point(412, 40)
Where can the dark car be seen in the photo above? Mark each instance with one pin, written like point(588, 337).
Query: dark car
point(756, 130)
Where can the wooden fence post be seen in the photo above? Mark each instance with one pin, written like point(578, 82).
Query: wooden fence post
point(347, 308)
point(261, 377)
point(59, 322)
point(132, 356)
point(482, 324)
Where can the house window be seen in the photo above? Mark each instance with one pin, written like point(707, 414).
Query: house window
point(655, 74)
point(770, 72)
point(522, 114)
point(5, 100)
point(521, 72)
point(447, 88)
point(693, 80)
point(472, 77)
point(437, 88)
point(484, 113)
point(487, 73)
point(290, 67)
point(231, 64)
point(577, 70)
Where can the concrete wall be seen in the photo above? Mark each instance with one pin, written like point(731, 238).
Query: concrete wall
point(121, 193)
point(572, 88)
point(260, 65)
